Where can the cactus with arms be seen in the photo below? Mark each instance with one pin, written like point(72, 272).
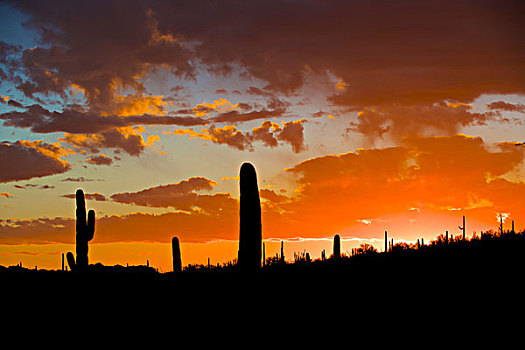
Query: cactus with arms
point(84, 233)
point(250, 230)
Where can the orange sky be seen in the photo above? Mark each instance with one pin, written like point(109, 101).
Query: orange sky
point(359, 118)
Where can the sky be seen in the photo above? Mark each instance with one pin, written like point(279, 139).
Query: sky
point(360, 117)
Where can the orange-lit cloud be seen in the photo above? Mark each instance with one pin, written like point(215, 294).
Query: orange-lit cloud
point(221, 105)
point(434, 173)
point(130, 105)
point(127, 139)
point(269, 133)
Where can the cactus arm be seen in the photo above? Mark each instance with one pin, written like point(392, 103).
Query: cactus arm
point(71, 261)
point(90, 228)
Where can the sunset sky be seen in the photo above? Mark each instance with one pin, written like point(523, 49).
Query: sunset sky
point(360, 117)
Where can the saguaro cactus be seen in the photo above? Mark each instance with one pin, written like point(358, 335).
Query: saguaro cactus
point(250, 230)
point(462, 228)
point(175, 252)
point(337, 247)
point(84, 233)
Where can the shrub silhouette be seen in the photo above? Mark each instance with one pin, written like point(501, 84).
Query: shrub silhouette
point(366, 249)
point(84, 233)
point(175, 249)
point(250, 230)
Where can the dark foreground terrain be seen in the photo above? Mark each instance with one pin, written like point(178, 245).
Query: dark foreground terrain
point(444, 292)
point(459, 270)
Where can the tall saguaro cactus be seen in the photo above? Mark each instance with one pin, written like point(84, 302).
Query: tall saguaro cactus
point(337, 247)
point(85, 232)
point(175, 251)
point(250, 229)
point(462, 228)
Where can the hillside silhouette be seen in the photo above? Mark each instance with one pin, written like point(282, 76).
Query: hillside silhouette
point(488, 264)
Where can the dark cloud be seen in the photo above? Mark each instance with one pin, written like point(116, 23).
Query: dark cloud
point(400, 120)
point(103, 50)
point(505, 106)
point(100, 159)
point(292, 133)
point(183, 195)
point(236, 116)
point(79, 179)
point(40, 120)
point(384, 52)
point(91, 196)
point(35, 186)
point(25, 160)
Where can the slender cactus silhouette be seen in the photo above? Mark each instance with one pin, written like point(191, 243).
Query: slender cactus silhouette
point(250, 230)
point(175, 251)
point(84, 233)
point(337, 247)
point(462, 228)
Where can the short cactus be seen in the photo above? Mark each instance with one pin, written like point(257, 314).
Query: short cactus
point(84, 233)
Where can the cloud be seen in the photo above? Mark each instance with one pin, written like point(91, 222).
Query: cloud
point(430, 173)
point(269, 133)
point(91, 196)
point(100, 160)
point(404, 52)
point(181, 195)
point(25, 160)
point(400, 120)
point(272, 196)
point(35, 186)
point(236, 116)
point(136, 227)
point(79, 179)
point(505, 106)
point(230, 136)
point(102, 52)
point(263, 133)
point(41, 120)
point(126, 139)
point(292, 133)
